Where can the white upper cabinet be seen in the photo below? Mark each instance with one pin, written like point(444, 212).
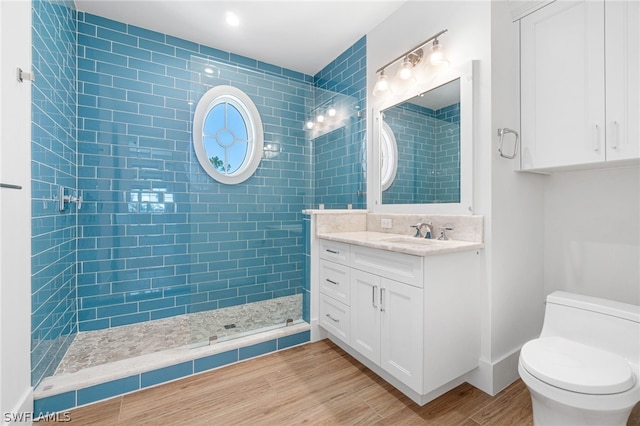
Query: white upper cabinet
point(579, 97)
point(562, 85)
point(622, 51)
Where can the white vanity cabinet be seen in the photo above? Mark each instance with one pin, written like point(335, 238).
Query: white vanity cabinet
point(386, 314)
point(412, 319)
point(580, 88)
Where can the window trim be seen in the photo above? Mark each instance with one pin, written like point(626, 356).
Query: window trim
point(255, 133)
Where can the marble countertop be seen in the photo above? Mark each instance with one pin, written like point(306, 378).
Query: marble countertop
point(401, 243)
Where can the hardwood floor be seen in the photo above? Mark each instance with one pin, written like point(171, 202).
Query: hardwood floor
point(316, 383)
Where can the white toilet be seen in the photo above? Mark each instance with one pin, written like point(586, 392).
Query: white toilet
point(584, 368)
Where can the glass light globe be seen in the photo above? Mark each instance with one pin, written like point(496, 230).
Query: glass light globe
point(405, 72)
point(437, 56)
point(382, 85)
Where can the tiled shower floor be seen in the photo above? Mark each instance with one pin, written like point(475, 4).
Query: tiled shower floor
point(99, 347)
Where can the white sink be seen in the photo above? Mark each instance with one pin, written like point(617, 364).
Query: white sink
point(413, 241)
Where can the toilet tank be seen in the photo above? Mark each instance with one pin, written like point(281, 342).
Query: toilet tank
point(609, 325)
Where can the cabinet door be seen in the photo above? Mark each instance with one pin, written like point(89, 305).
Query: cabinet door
point(402, 332)
point(623, 82)
point(365, 314)
point(562, 85)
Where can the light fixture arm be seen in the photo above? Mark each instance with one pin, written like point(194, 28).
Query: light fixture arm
point(410, 51)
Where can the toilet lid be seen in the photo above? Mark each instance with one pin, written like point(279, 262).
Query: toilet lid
point(576, 367)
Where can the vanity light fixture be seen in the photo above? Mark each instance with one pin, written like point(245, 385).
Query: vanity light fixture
point(411, 58)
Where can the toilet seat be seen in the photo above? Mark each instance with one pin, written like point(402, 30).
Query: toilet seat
point(576, 367)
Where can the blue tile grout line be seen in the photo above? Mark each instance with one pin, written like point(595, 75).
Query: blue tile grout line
point(89, 395)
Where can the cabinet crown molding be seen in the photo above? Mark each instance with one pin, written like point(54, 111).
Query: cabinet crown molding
point(521, 8)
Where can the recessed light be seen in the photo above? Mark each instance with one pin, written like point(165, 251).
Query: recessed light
point(232, 19)
point(208, 70)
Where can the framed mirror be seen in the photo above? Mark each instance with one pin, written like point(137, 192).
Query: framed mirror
point(432, 130)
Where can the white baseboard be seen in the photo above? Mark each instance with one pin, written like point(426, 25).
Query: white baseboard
point(317, 333)
point(493, 377)
point(22, 410)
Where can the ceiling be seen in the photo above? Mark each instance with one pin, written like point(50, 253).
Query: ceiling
point(303, 35)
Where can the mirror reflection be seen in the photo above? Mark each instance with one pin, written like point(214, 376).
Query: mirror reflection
point(426, 129)
point(388, 156)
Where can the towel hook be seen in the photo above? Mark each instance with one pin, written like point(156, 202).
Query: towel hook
point(501, 133)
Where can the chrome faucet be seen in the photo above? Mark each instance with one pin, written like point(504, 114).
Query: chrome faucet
point(419, 227)
point(443, 235)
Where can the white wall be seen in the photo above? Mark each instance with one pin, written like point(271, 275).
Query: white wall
point(592, 233)
point(516, 264)
point(15, 210)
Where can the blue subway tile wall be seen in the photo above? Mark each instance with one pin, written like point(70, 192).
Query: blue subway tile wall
point(428, 169)
point(53, 164)
point(68, 400)
point(158, 237)
point(447, 154)
point(339, 157)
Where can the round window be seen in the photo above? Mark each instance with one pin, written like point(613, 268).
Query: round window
point(227, 134)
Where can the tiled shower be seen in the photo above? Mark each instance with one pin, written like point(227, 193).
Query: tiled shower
point(154, 236)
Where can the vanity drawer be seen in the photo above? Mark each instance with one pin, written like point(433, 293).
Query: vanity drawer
point(402, 267)
point(334, 251)
point(334, 317)
point(334, 280)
